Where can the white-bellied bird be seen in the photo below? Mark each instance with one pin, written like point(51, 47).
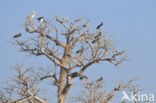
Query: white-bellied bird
point(17, 35)
point(41, 19)
point(99, 26)
point(32, 15)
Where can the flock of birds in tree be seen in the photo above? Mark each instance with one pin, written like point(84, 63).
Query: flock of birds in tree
point(41, 19)
point(80, 51)
point(97, 37)
point(85, 77)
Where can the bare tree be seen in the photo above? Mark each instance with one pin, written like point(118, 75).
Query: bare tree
point(23, 88)
point(96, 93)
point(70, 46)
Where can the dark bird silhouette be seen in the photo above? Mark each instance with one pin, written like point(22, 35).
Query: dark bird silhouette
point(68, 55)
point(86, 24)
point(99, 80)
point(41, 19)
point(117, 88)
point(17, 35)
point(99, 26)
point(80, 51)
point(83, 77)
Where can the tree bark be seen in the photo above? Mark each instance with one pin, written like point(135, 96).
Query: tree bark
point(61, 86)
point(61, 97)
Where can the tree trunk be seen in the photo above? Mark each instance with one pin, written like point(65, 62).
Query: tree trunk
point(61, 96)
point(64, 87)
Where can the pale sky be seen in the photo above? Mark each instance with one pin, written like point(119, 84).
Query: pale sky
point(131, 22)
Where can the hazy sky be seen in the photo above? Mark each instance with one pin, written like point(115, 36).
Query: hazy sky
point(131, 22)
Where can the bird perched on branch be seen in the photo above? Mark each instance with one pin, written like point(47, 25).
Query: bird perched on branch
point(41, 19)
point(99, 80)
point(99, 26)
point(17, 35)
point(31, 16)
point(83, 77)
point(86, 24)
point(97, 37)
point(68, 55)
point(80, 51)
